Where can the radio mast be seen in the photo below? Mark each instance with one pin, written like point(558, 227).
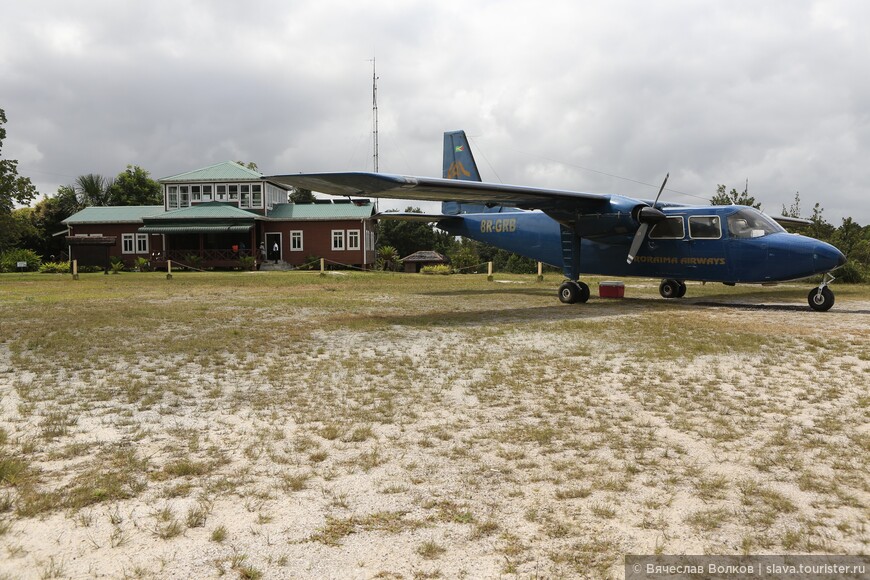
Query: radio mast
point(375, 115)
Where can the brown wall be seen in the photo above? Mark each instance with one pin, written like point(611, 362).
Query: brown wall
point(317, 241)
point(155, 242)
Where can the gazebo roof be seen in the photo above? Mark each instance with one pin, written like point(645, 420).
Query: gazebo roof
point(425, 256)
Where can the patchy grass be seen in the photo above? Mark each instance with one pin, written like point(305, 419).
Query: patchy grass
point(405, 426)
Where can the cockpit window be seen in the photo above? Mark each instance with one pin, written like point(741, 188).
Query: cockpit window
point(705, 227)
point(749, 223)
point(669, 229)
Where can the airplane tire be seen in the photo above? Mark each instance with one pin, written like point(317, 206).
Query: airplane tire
point(584, 292)
point(669, 289)
point(682, 290)
point(569, 292)
point(820, 302)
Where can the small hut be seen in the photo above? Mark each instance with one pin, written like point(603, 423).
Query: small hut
point(416, 261)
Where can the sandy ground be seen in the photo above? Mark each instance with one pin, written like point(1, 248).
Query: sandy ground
point(526, 447)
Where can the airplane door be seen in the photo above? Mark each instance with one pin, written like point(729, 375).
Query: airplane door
point(708, 256)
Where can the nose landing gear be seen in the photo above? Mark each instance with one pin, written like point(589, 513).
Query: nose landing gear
point(821, 299)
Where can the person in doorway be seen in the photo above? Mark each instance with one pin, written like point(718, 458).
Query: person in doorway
point(275, 250)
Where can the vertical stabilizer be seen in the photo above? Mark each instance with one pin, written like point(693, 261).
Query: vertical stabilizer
point(458, 160)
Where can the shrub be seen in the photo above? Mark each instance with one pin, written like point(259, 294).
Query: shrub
point(142, 264)
point(55, 268)
point(116, 265)
point(10, 258)
point(247, 262)
point(852, 272)
point(442, 269)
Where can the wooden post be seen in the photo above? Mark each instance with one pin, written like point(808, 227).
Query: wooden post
point(169, 269)
point(75, 269)
point(322, 266)
point(540, 271)
point(489, 271)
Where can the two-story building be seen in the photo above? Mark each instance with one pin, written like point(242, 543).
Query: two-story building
point(218, 215)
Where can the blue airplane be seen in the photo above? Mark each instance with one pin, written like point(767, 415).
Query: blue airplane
point(601, 234)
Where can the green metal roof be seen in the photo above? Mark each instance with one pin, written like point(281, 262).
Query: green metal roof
point(213, 210)
point(320, 211)
point(226, 171)
point(195, 228)
point(114, 214)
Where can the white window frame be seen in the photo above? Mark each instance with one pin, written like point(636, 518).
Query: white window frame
point(297, 235)
point(128, 243)
point(206, 192)
point(183, 196)
point(172, 196)
point(220, 192)
point(141, 243)
point(338, 236)
point(195, 193)
point(245, 195)
point(353, 240)
point(233, 192)
point(257, 195)
point(715, 218)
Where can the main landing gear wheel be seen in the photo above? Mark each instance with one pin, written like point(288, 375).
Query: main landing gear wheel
point(573, 292)
point(672, 289)
point(821, 299)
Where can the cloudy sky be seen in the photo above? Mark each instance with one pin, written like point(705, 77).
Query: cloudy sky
point(594, 96)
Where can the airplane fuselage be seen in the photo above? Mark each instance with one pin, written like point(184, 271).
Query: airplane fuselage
point(707, 247)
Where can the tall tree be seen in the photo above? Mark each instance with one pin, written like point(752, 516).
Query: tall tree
point(734, 198)
point(134, 187)
point(13, 189)
point(301, 195)
point(93, 189)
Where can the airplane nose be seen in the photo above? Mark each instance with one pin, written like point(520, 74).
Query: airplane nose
point(826, 257)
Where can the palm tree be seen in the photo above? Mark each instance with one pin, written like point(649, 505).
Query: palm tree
point(388, 258)
point(93, 189)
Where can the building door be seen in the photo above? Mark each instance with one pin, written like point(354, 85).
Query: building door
point(273, 246)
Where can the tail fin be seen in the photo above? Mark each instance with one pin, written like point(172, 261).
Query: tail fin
point(458, 160)
point(459, 164)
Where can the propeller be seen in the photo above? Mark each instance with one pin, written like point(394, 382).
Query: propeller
point(646, 216)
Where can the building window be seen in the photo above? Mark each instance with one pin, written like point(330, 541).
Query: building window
point(220, 192)
point(195, 193)
point(141, 243)
point(337, 240)
point(256, 195)
point(353, 239)
point(183, 196)
point(295, 240)
point(172, 197)
point(246, 195)
point(128, 243)
point(206, 193)
point(233, 192)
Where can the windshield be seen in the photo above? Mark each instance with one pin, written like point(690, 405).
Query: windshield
point(751, 223)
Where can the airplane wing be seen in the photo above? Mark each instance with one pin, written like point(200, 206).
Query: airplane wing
point(434, 189)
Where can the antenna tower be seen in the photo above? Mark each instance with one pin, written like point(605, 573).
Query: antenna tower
point(375, 115)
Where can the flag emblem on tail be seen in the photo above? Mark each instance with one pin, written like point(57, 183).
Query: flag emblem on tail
point(459, 149)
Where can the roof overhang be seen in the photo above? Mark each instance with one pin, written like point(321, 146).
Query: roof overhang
point(196, 228)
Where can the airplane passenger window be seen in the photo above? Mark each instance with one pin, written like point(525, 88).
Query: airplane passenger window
point(670, 229)
point(705, 227)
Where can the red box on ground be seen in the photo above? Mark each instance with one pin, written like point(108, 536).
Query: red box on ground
point(611, 290)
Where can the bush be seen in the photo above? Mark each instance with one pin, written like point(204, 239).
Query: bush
point(55, 268)
point(247, 262)
point(852, 272)
point(442, 269)
point(9, 260)
point(142, 264)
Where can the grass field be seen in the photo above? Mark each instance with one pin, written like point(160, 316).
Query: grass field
point(271, 425)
